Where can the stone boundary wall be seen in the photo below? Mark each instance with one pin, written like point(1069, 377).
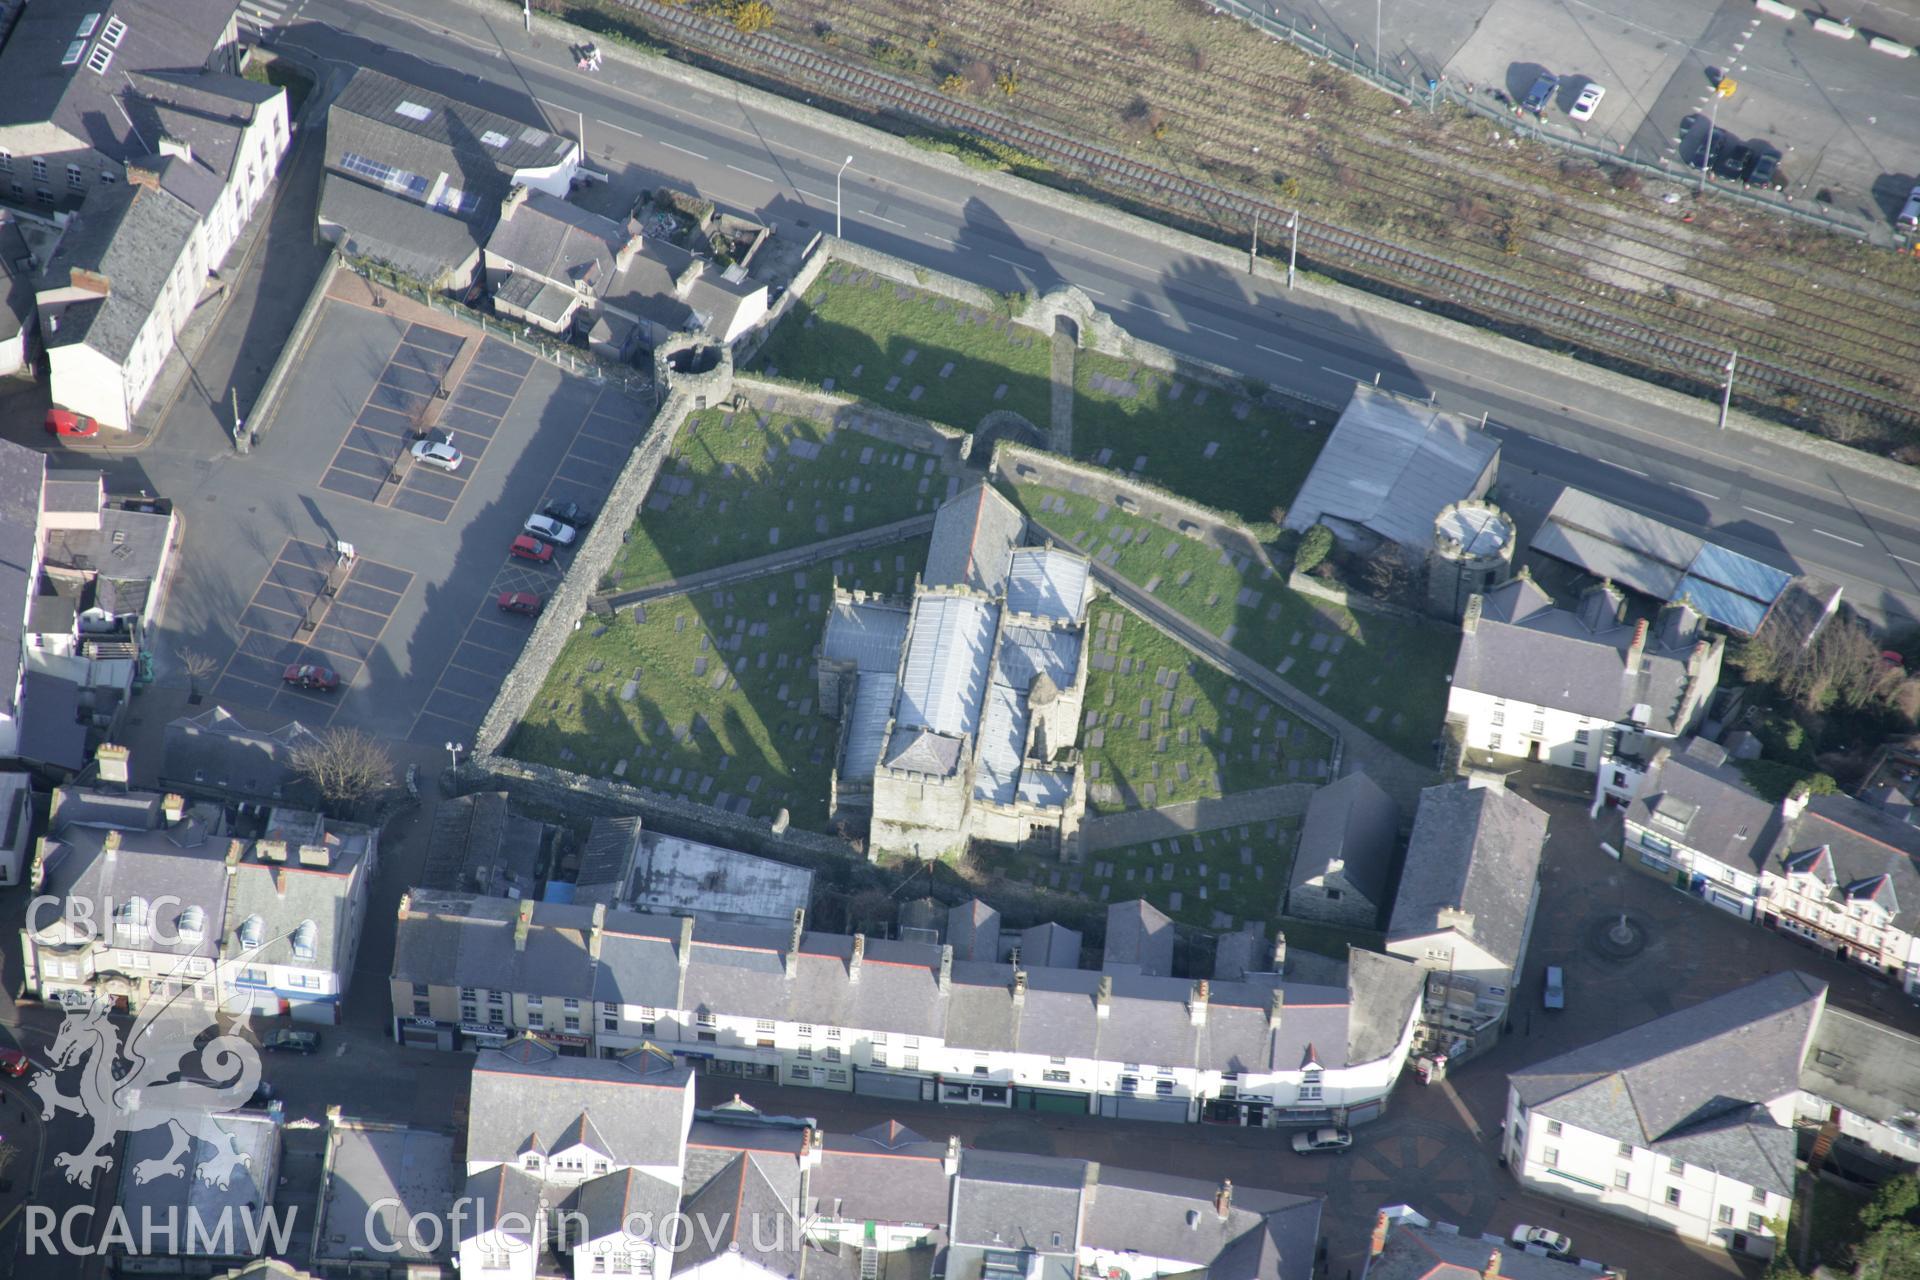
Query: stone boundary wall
point(1308, 585)
point(880, 143)
point(566, 608)
point(261, 414)
point(854, 414)
point(1228, 525)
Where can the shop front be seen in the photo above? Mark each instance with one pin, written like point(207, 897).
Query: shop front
point(1056, 1101)
point(975, 1093)
point(425, 1033)
point(485, 1035)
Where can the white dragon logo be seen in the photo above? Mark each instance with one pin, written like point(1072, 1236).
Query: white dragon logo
point(134, 1084)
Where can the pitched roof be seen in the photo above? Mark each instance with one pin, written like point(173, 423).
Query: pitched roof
point(1524, 647)
point(973, 532)
point(501, 1199)
point(479, 845)
point(1416, 1249)
point(636, 1103)
point(621, 1201)
point(923, 751)
point(133, 235)
point(1694, 797)
point(1139, 940)
point(1351, 822)
point(1474, 850)
point(672, 288)
point(973, 931)
point(548, 239)
point(1391, 465)
point(1694, 1083)
point(22, 476)
point(945, 672)
point(1048, 582)
point(1010, 1201)
point(1869, 854)
point(408, 237)
point(214, 751)
point(1383, 993)
point(303, 908)
point(867, 633)
point(754, 1188)
point(1263, 1235)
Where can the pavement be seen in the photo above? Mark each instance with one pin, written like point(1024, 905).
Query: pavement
point(1858, 526)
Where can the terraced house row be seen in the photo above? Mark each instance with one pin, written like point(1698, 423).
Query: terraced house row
point(908, 1019)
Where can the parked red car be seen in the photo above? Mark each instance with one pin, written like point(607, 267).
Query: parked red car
point(524, 603)
point(65, 422)
point(311, 675)
point(528, 547)
point(15, 1063)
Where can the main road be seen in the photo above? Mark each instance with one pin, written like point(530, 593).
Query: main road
point(1852, 525)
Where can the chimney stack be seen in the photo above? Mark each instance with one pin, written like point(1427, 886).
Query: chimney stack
point(1019, 988)
point(1103, 998)
point(685, 957)
point(173, 807)
point(946, 970)
point(516, 196)
point(1795, 802)
point(1223, 1198)
point(1637, 648)
point(1697, 660)
point(1470, 620)
point(599, 928)
point(952, 1161)
point(1378, 1245)
point(858, 957)
point(1493, 1260)
point(315, 855)
point(406, 905)
point(111, 845)
point(623, 258)
point(111, 760)
point(270, 850)
point(1197, 1003)
point(1276, 1006)
point(810, 1148)
point(1279, 951)
point(793, 941)
point(522, 923)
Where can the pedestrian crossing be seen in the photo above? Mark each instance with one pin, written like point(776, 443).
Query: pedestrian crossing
point(267, 16)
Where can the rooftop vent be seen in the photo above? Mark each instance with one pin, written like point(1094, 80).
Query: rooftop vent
point(495, 140)
point(414, 111)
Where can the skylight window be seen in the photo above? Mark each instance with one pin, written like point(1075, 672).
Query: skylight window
point(414, 111)
point(115, 30)
point(87, 24)
point(72, 55)
point(495, 140)
point(97, 60)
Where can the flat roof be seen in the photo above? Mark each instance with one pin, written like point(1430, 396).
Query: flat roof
point(401, 1170)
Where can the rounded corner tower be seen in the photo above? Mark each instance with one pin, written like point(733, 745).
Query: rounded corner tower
point(1472, 554)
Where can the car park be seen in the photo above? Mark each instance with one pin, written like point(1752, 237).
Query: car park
point(1553, 992)
point(526, 547)
point(1553, 1242)
point(1308, 1141)
point(524, 603)
point(65, 422)
point(311, 675)
point(1587, 103)
point(437, 453)
point(1540, 96)
point(291, 1042)
point(552, 530)
point(568, 512)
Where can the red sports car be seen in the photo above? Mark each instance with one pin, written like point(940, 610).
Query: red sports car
point(65, 422)
point(15, 1063)
point(311, 675)
point(525, 603)
point(528, 547)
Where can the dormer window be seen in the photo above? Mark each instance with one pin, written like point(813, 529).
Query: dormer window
point(193, 926)
point(303, 940)
point(253, 931)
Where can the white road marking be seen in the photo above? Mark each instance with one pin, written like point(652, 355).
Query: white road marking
point(889, 221)
point(1633, 471)
point(1699, 493)
point(951, 244)
point(1275, 351)
point(1141, 306)
point(1768, 514)
point(682, 150)
point(1022, 266)
point(1837, 538)
point(750, 173)
point(1904, 560)
point(808, 195)
point(1340, 372)
point(1220, 333)
point(1087, 288)
point(608, 124)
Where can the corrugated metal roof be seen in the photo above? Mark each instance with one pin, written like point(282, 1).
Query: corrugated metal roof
point(867, 634)
point(1028, 651)
point(946, 667)
point(1605, 559)
point(867, 730)
point(1392, 465)
point(1046, 787)
point(1048, 582)
point(1728, 608)
point(1740, 573)
point(1003, 743)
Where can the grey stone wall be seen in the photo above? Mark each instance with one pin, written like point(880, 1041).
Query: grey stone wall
point(918, 434)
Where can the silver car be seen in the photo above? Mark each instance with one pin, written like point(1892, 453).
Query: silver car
point(1309, 1141)
point(552, 530)
point(437, 453)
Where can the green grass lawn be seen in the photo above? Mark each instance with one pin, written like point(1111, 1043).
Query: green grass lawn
point(1162, 727)
point(1213, 446)
point(860, 330)
point(711, 696)
point(1387, 675)
point(744, 484)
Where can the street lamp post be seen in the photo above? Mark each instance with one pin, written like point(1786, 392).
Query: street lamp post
point(1722, 89)
point(1293, 250)
point(454, 749)
point(836, 198)
point(1376, 36)
point(1726, 392)
point(526, 14)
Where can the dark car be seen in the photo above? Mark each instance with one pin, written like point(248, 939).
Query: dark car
point(1765, 171)
point(65, 422)
point(524, 603)
point(1733, 165)
point(1541, 95)
point(311, 675)
point(568, 512)
point(1712, 151)
point(528, 547)
point(263, 1095)
point(291, 1042)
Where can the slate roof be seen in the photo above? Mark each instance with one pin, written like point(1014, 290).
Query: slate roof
point(479, 846)
point(213, 751)
point(1382, 993)
point(548, 239)
point(1392, 465)
point(1010, 1201)
point(501, 1198)
point(22, 476)
point(1693, 1084)
point(606, 862)
point(1476, 850)
point(1866, 1067)
point(288, 897)
point(1525, 648)
point(867, 633)
point(1355, 823)
point(408, 237)
point(973, 931)
point(1049, 582)
point(1049, 944)
point(751, 1188)
point(923, 751)
point(16, 278)
point(903, 1180)
point(608, 1204)
point(1139, 940)
point(1264, 1235)
point(655, 287)
point(149, 865)
point(527, 1093)
point(1871, 853)
point(52, 731)
point(945, 673)
point(1694, 797)
point(44, 87)
point(133, 235)
point(1423, 1252)
point(973, 532)
point(872, 709)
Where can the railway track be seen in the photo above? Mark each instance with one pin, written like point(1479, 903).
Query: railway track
point(1474, 292)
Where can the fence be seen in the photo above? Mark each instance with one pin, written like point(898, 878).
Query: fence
point(1434, 88)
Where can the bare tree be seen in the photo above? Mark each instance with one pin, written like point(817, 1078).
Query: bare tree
point(198, 666)
point(345, 765)
point(1393, 575)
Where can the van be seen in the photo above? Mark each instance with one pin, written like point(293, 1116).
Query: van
point(1909, 219)
point(1553, 993)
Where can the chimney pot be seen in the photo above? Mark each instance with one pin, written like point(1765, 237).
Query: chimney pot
point(859, 956)
point(1378, 1244)
point(1197, 1003)
point(1470, 620)
point(952, 1161)
point(1223, 1198)
point(1493, 1267)
point(946, 972)
point(1019, 988)
point(406, 904)
point(1103, 998)
point(1279, 951)
point(173, 808)
point(598, 931)
point(1638, 648)
point(522, 924)
point(1276, 1006)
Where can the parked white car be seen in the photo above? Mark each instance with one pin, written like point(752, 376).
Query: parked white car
point(552, 530)
point(437, 453)
point(1309, 1141)
point(1588, 102)
point(1552, 1241)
